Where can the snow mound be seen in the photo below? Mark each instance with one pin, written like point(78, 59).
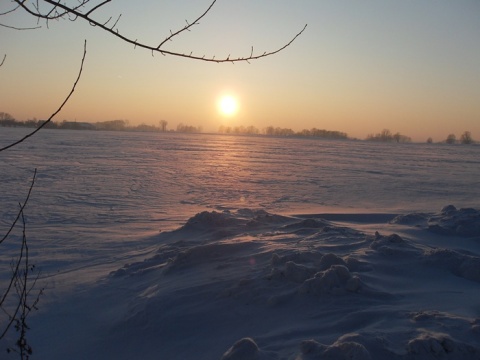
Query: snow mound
point(336, 280)
point(227, 223)
point(476, 326)
point(297, 272)
point(244, 349)
point(262, 218)
point(463, 265)
point(410, 219)
point(436, 346)
point(438, 319)
point(450, 221)
point(329, 270)
point(298, 257)
point(328, 260)
point(207, 219)
point(247, 349)
point(463, 222)
point(307, 224)
point(141, 267)
point(340, 350)
point(390, 244)
point(204, 254)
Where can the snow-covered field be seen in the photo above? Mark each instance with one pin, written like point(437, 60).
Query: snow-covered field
point(175, 246)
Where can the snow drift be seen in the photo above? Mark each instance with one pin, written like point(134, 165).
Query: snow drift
point(247, 284)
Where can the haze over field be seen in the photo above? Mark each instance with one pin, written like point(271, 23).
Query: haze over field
point(410, 67)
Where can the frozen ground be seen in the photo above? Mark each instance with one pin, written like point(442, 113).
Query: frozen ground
point(169, 246)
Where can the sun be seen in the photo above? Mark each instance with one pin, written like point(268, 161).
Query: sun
point(228, 105)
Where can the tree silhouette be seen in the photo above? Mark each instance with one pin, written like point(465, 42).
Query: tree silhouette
point(163, 125)
point(466, 138)
point(451, 139)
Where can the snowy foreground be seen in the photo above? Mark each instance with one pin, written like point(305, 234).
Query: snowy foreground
point(254, 285)
point(171, 246)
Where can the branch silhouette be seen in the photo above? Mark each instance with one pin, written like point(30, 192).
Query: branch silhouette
point(60, 10)
point(59, 108)
point(23, 256)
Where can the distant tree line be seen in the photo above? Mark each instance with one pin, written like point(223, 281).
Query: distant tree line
point(465, 138)
point(239, 130)
point(277, 131)
point(7, 120)
point(188, 128)
point(387, 136)
point(326, 134)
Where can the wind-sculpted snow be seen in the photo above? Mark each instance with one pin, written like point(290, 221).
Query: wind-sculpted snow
point(463, 265)
point(440, 346)
point(335, 280)
point(425, 345)
point(329, 275)
point(287, 287)
point(212, 220)
point(311, 349)
point(449, 221)
point(242, 349)
point(463, 222)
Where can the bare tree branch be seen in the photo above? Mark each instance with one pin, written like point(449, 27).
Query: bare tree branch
point(21, 209)
point(23, 288)
point(9, 11)
point(3, 60)
point(188, 26)
point(59, 108)
point(16, 267)
point(60, 9)
point(96, 7)
point(37, 13)
point(20, 28)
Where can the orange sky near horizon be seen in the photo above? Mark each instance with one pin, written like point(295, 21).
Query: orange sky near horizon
point(358, 68)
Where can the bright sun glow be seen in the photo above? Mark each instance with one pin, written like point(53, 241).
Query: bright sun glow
point(228, 105)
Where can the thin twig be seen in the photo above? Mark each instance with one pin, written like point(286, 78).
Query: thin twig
point(9, 11)
point(21, 209)
point(39, 14)
point(13, 279)
point(98, 6)
point(58, 110)
point(188, 26)
point(20, 28)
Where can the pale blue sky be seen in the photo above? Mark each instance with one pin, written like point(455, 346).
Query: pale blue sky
point(360, 66)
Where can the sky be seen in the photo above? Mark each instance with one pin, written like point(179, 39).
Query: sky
point(359, 67)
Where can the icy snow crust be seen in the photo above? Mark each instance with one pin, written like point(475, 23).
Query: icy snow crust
point(387, 274)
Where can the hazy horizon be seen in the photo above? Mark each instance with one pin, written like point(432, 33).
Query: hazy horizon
point(383, 135)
